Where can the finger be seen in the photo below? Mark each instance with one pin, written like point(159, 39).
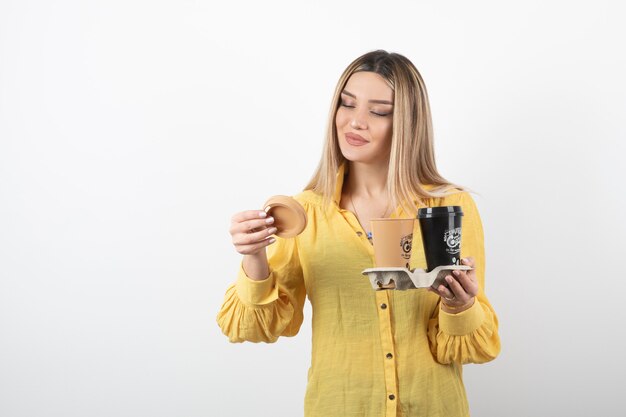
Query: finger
point(444, 292)
point(469, 261)
point(457, 289)
point(469, 282)
point(250, 226)
point(248, 249)
point(248, 215)
point(252, 238)
point(465, 280)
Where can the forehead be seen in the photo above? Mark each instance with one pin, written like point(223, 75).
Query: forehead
point(369, 85)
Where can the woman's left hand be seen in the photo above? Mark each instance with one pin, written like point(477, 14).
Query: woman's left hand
point(463, 289)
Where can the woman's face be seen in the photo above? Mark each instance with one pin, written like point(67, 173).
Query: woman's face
point(365, 118)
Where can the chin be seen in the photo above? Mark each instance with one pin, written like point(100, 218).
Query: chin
point(348, 153)
point(364, 157)
point(356, 156)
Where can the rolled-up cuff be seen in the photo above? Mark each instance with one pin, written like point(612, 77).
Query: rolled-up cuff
point(256, 292)
point(462, 323)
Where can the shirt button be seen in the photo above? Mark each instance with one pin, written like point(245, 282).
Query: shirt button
point(389, 356)
point(392, 397)
point(383, 306)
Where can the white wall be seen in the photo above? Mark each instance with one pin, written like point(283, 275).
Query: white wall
point(130, 132)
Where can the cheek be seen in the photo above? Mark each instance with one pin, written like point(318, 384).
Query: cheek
point(341, 118)
point(383, 131)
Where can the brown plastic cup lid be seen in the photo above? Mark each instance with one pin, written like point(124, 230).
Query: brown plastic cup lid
point(289, 216)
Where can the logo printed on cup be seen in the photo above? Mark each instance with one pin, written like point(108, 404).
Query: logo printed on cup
point(452, 237)
point(406, 243)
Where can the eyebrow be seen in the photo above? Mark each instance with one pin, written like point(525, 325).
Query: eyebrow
point(346, 92)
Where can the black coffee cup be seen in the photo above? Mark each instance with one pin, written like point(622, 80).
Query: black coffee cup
point(441, 235)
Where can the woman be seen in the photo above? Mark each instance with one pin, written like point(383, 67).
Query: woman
point(375, 353)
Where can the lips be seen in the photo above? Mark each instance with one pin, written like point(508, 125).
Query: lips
point(356, 140)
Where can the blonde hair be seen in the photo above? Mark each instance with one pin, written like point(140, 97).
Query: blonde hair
point(412, 159)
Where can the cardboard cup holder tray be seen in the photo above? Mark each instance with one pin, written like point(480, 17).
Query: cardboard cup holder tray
point(404, 279)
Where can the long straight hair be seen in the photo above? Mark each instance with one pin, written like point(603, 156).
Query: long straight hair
point(412, 159)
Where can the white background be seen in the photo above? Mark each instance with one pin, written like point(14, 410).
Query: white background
point(131, 131)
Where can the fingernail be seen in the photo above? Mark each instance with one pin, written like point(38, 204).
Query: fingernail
point(455, 272)
point(464, 260)
point(272, 240)
point(262, 214)
point(272, 230)
point(448, 278)
point(269, 220)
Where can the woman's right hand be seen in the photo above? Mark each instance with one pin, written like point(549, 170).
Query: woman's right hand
point(250, 231)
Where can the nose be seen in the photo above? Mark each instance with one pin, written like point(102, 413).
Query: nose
point(357, 122)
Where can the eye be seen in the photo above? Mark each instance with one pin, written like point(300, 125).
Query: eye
point(381, 114)
point(345, 105)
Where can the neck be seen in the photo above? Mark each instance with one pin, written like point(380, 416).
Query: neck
point(367, 180)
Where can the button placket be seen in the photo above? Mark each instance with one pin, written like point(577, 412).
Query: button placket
point(354, 224)
point(387, 345)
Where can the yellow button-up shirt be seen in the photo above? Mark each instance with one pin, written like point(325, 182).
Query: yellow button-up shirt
point(374, 353)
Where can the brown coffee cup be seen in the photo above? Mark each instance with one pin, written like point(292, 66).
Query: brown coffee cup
point(289, 216)
point(393, 240)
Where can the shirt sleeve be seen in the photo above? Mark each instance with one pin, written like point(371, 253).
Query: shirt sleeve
point(261, 311)
point(470, 336)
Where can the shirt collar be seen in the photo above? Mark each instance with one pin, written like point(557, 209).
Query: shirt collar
point(343, 167)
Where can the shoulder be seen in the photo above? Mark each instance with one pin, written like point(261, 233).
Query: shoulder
point(458, 196)
point(455, 197)
point(308, 198)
